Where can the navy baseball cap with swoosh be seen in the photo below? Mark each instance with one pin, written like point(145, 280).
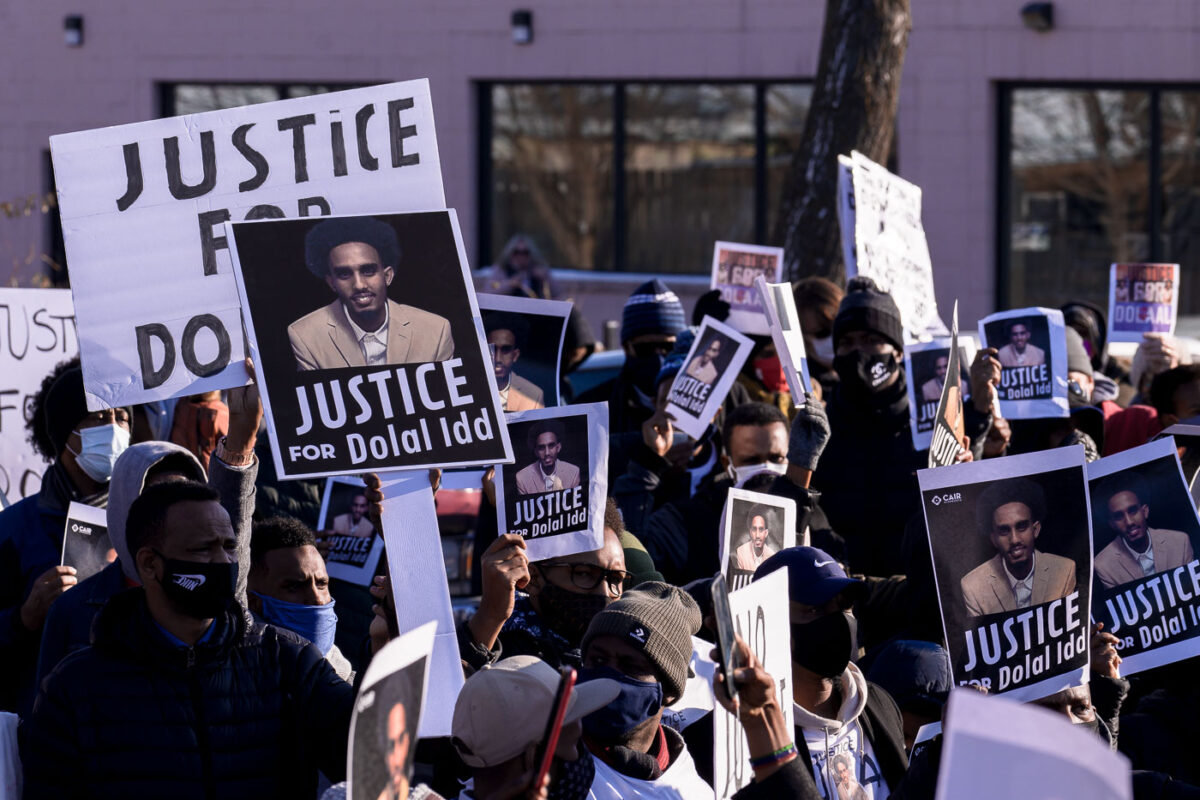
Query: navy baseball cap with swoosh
point(814, 576)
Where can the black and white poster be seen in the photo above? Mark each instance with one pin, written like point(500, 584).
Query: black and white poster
point(711, 367)
point(754, 527)
point(1031, 346)
point(525, 339)
point(85, 540)
point(927, 365)
point(368, 344)
point(554, 494)
point(1012, 558)
point(143, 207)
point(1147, 587)
point(354, 544)
point(779, 303)
point(387, 716)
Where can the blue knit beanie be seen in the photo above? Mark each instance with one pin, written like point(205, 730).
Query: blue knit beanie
point(652, 308)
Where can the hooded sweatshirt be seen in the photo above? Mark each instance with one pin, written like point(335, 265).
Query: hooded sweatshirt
point(831, 741)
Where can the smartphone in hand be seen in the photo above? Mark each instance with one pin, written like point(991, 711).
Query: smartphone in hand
point(726, 638)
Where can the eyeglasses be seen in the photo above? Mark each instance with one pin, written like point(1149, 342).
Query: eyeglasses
point(588, 576)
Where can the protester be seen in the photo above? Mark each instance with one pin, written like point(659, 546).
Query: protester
point(520, 265)
point(289, 586)
point(230, 708)
point(650, 321)
point(1156, 353)
point(1175, 394)
point(917, 676)
point(817, 302)
point(1112, 379)
point(642, 642)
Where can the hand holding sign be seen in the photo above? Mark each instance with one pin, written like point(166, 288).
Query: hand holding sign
point(503, 567)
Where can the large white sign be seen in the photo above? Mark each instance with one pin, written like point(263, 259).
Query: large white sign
point(38, 331)
point(143, 208)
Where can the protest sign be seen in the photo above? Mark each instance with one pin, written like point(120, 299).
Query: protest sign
point(697, 700)
point(890, 246)
point(387, 715)
point(354, 544)
point(990, 529)
point(927, 364)
point(524, 338)
point(1142, 298)
point(1147, 589)
point(845, 208)
point(379, 371)
point(760, 618)
point(38, 334)
point(142, 207)
point(997, 750)
point(1187, 440)
point(735, 267)
point(754, 527)
point(554, 494)
point(1032, 350)
point(417, 573)
point(925, 736)
point(780, 305)
point(711, 367)
point(85, 540)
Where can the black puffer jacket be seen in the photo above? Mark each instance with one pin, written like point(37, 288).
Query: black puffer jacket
point(251, 712)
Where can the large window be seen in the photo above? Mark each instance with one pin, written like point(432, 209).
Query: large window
point(177, 99)
point(634, 176)
point(1093, 175)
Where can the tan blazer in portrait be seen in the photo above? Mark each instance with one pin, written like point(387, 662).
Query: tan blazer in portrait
point(523, 394)
point(745, 556)
point(530, 480)
point(931, 389)
point(1034, 356)
point(1115, 565)
point(342, 525)
point(986, 589)
point(324, 339)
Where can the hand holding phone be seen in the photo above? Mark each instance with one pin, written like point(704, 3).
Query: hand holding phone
point(726, 639)
point(558, 711)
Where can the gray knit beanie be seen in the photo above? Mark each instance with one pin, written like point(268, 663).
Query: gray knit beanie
point(658, 619)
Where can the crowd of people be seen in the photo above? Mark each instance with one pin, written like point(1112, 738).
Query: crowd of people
point(208, 659)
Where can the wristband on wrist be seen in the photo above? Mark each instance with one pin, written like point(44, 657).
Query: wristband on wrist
point(774, 758)
point(231, 458)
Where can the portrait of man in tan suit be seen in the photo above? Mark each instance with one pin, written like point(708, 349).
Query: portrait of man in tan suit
point(547, 473)
point(505, 335)
point(704, 366)
point(354, 522)
point(932, 388)
point(1010, 512)
point(1019, 352)
point(1139, 550)
point(356, 257)
point(756, 549)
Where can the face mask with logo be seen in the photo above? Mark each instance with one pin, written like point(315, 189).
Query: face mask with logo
point(747, 471)
point(825, 645)
point(637, 702)
point(199, 589)
point(99, 449)
point(865, 372)
point(318, 624)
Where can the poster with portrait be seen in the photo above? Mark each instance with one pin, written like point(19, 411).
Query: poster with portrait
point(1011, 540)
point(85, 540)
point(1147, 578)
point(779, 302)
point(554, 493)
point(354, 544)
point(734, 269)
point(143, 205)
point(421, 591)
point(1031, 346)
point(997, 750)
point(761, 619)
point(754, 527)
point(40, 328)
point(927, 364)
point(525, 340)
point(712, 365)
point(387, 716)
point(1142, 298)
point(374, 358)
point(1187, 440)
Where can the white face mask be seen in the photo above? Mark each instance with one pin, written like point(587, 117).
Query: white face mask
point(99, 449)
point(747, 471)
point(822, 349)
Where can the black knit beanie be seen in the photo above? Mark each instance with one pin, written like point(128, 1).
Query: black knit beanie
point(866, 308)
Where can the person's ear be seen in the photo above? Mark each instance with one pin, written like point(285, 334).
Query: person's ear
point(146, 562)
point(1037, 529)
point(1146, 510)
point(388, 274)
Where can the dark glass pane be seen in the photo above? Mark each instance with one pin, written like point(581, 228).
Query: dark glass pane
point(689, 162)
point(1079, 190)
point(787, 108)
point(192, 98)
point(1181, 192)
point(552, 155)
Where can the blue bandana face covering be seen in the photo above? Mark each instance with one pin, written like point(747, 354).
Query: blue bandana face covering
point(637, 702)
point(318, 624)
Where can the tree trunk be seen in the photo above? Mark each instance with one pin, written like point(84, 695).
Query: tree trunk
point(853, 108)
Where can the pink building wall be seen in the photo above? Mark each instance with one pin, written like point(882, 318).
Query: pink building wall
point(947, 138)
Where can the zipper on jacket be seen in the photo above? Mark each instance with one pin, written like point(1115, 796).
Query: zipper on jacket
point(210, 788)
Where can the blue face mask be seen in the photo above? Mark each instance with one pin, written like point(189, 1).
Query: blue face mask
point(318, 624)
point(637, 702)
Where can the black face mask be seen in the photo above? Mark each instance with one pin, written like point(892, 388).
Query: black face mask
point(641, 370)
point(866, 373)
point(199, 589)
point(568, 613)
point(573, 779)
point(826, 645)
